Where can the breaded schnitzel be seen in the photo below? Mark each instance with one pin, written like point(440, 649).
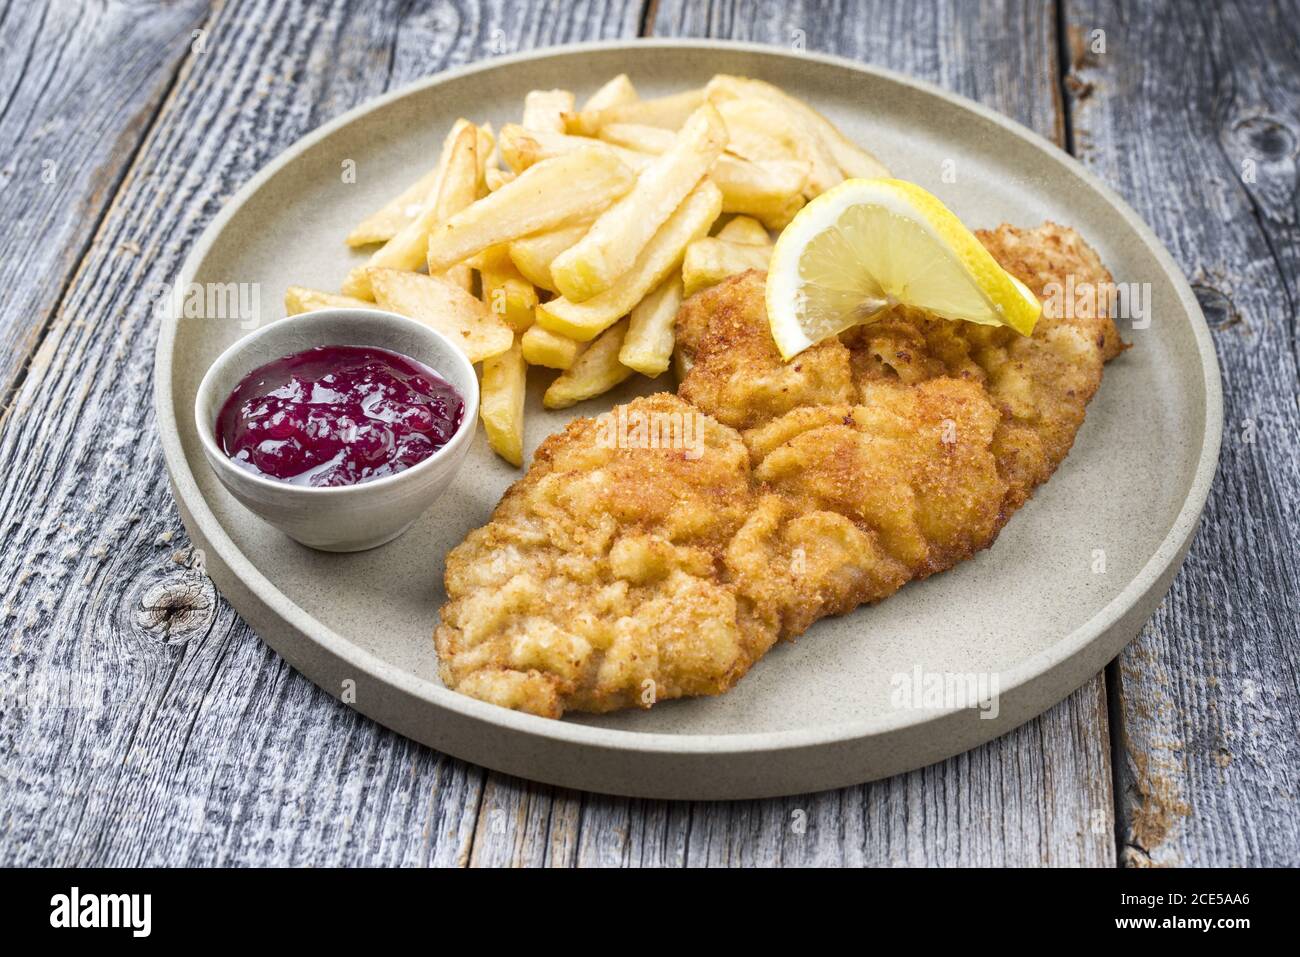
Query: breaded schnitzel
point(616, 574)
point(599, 573)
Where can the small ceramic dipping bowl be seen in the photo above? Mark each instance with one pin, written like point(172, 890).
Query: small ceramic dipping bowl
point(347, 518)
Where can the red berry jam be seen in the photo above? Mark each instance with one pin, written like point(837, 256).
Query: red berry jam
point(338, 415)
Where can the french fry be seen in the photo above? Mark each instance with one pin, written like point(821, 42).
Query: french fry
point(487, 258)
point(783, 112)
point(853, 161)
point(638, 137)
point(709, 261)
point(777, 217)
point(487, 158)
point(670, 112)
point(661, 256)
point(616, 92)
point(544, 110)
point(545, 348)
point(444, 307)
point(383, 225)
point(494, 178)
point(616, 238)
point(300, 299)
point(506, 292)
point(745, 230)
point(386, 222)
point(456, 189)
point(501, 403)
point(594, 372)
point(765, 188)
point(648, 346)
point(406, 250)
point(533, 255)
point(459, 188)
point(757, 132)
point(521, 147)
point(561, 190)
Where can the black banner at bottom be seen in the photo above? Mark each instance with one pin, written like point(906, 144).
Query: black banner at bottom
point(334, 907)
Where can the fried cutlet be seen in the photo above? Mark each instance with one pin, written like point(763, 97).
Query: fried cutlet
point(596, 585)
point(620, 574)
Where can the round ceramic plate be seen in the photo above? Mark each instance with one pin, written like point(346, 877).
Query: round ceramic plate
point(1071, 579)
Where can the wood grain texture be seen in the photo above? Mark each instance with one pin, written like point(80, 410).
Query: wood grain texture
point(67, 136)
point(140, 720)
point(1193, 112)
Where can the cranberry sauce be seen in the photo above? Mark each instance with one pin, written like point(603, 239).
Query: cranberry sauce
point(338, 415)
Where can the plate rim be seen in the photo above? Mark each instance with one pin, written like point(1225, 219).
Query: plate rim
point(1039, 665)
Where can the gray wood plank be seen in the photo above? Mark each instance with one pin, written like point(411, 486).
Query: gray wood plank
point(79, 85)
point(140, 720)
point(1193, 113)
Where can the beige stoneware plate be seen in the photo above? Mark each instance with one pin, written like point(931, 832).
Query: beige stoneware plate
point(1035, 610)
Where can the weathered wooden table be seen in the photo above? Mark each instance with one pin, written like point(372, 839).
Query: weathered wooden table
point(142, 722)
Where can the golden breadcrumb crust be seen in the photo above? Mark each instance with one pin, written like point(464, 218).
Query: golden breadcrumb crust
point(628, 567)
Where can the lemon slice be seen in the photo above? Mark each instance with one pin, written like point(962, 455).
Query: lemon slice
point(868, 245)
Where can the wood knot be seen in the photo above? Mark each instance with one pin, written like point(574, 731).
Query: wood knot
point(177, 608)
point(1220, 312)
point(1266, 138)
point(1079, 88)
